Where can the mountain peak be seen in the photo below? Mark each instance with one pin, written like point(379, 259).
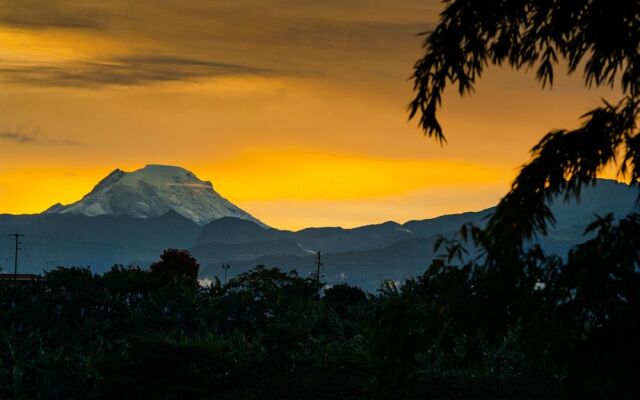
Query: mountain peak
point(164, 169)
point(153, 191)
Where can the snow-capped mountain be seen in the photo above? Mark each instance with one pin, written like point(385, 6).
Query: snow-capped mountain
point(360, 256)
point(153, 191)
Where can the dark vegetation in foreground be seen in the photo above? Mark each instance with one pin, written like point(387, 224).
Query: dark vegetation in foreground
point(544, 328)
point(512, 323)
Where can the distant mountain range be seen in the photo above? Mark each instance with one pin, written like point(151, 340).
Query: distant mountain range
point(129, 218)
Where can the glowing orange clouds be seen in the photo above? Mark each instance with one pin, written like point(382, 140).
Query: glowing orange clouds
point(279, 185)
point(295, 111)
point(300, 174)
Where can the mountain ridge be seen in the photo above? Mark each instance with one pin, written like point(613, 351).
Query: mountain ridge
point(360, 256)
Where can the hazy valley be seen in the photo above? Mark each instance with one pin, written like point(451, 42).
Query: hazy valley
point(132, 217)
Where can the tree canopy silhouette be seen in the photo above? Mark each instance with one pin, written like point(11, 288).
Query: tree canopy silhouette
point(601, 37)
point(176, 263)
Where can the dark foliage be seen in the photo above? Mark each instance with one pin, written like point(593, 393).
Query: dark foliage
point(176, 264)
point(132, 333)
point(574, 321)
point(493, 318)
point(495, 305)
point(552, 329)
point(343, 298)
point(598, 35)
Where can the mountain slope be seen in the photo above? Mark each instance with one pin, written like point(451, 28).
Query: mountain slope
point(360, 256)
point(400, 253)
point(237, 230)
point(364, 268)
point(332, 239)
point(151, 192)
point(77, 240)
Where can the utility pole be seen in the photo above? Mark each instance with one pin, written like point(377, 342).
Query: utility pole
point(225, 267)
point(17, 237)
point(318, 265)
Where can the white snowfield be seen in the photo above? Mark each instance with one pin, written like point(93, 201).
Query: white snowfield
point(153, 191)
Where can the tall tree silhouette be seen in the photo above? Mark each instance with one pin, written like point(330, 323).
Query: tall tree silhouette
point(601, 37)
point(176, 263)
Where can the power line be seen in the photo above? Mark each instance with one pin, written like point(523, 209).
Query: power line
point(17, 237)
point(225, 267)
point(318, 265)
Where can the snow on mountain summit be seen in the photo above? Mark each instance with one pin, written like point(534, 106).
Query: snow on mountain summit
point(153, 191)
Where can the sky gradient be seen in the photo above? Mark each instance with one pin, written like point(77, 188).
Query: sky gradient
point(295, 110)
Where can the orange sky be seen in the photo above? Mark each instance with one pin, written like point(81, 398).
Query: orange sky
point(295, 110)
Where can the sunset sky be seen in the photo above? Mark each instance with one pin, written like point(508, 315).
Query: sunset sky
point(295, 110)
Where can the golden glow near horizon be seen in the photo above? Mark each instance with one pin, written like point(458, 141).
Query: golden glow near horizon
point(333, 185)
point(295, 112)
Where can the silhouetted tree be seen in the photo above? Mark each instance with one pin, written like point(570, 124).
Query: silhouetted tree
point(342, 297)
point(600, 35)
point(563, 316)
point(176, 263)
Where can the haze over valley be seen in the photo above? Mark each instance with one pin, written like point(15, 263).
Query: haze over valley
point(129, 218)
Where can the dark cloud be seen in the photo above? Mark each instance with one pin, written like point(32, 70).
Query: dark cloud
point(70, 142)
point(124, 71)
point(202, 38)
point(20, 136)
point(38, 14)
point(17, 137)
